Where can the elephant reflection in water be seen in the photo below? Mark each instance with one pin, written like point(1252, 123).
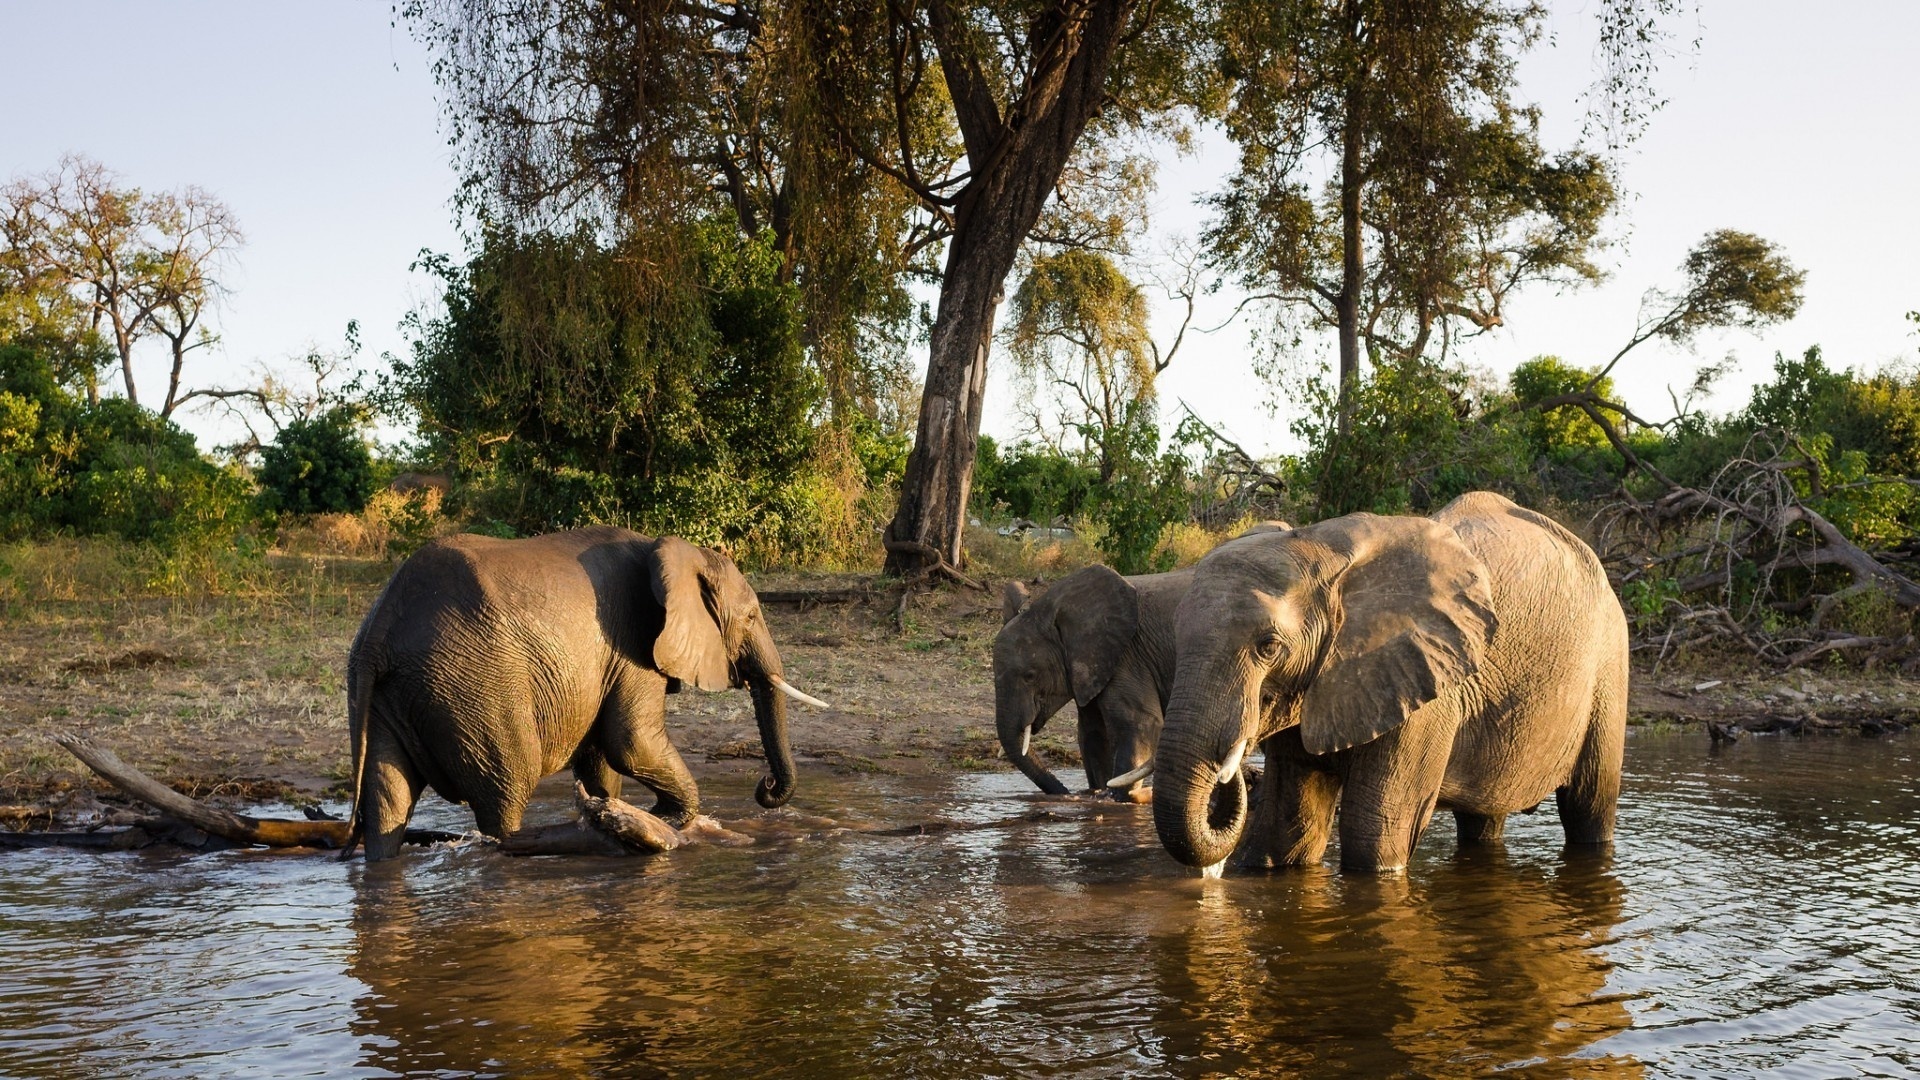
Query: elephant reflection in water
point(495, 975)
point(1476, 966)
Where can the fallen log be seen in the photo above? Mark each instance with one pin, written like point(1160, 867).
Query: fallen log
point(179, 812)
point(612, 826)
point(267, 832)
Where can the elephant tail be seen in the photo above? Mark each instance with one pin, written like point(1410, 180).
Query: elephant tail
point(360, 679)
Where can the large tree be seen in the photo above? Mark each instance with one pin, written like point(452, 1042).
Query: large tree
point(1389, 188)
point(137, 263)
point(877, 139)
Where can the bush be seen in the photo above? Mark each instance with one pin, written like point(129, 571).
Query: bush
point(561, 390)
point(110, 468)
point(1417, 440)
point(318, 465)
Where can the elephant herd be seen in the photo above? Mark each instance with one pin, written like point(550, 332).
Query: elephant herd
point(1472, 661)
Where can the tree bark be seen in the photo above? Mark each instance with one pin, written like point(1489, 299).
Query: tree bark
point(1016, 157)
point(1353, 267)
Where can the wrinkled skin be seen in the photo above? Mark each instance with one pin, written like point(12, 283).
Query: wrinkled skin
point(1105, 643)
point(1102, 641)
point(487, 664)
point(1473, 662)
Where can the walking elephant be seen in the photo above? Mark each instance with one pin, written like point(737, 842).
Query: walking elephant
point(1104, 642)
point(487, 664)
point(1475, 661)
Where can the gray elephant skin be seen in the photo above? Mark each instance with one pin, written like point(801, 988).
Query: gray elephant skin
point(1102, 641)
point(1105, 643)
point(487, 664)
point(1474, 661)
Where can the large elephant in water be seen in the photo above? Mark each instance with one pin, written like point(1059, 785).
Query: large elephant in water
point(487, 664)
point(1475, 661)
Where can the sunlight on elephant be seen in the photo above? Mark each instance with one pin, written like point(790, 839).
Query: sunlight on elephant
point(1475, 661)
point(487, 664)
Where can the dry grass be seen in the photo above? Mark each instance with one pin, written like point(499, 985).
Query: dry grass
point(234, 681)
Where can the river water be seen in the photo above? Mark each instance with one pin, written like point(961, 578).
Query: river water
point(1757, 917)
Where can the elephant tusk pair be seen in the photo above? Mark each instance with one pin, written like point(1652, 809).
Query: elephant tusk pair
point(786, 688)
point(1128, 779)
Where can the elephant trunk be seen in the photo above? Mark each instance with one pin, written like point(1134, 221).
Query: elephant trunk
point(1199, 793)
point(1014, 716)
point(761, 670)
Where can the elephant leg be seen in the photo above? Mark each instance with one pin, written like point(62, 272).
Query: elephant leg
point(1588, 799)
point(1292, 818)
point(1096, 754)
point(591, 769)
point(1479, 828)
point(389, 786)
point(632, 737)
point(1392, 786)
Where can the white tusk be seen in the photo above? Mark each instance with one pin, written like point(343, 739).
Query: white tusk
point(1026, 742)
point(1232, 767)
point(1214, 871)
point(786, 688)
point(1128, 779)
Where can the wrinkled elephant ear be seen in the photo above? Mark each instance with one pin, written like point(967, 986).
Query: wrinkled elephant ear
point(689, 647)
point(1095, 615)
point(1413, 612)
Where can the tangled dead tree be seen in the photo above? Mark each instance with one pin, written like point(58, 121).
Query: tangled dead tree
point(1748, 559)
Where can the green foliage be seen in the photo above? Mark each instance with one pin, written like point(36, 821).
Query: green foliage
point(1563, 431)
point(1030, 482)
point(561, 390)
point(1146, 492)
point(106, 469)
point(318, 465)
point(1417, 439)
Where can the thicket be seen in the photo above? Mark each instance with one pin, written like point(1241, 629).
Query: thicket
point(563, 388)
point(103, 468)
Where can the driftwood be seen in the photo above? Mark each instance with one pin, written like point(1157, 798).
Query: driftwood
point(606, 826)
point(238, 828)
point(1720, 552)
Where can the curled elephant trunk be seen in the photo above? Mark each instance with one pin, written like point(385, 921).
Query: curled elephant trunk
point(1014, 718)
point(1199, 793)
point(762, 675)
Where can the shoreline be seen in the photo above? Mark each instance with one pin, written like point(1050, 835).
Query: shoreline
point(240, 700)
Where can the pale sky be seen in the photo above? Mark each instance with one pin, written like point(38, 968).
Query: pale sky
point(318, 125)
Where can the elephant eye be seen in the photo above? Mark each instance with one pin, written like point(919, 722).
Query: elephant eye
point(1269, 647)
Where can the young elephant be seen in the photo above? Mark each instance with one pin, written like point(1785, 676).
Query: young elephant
point(1475, 661)
point(1104, 642)
point(487, 664)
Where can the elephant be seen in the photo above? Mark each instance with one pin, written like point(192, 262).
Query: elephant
point(486, 664)
point(1474, 661)
point(1104, 642)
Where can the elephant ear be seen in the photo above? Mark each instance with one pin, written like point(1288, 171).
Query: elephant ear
point(689, 647)
point(1413, 613)
point(1095, 615)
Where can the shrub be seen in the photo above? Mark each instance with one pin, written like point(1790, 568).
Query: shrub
point(318, 465)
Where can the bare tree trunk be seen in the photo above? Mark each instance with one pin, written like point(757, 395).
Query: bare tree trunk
point(1016, 157)
point(1353, 268)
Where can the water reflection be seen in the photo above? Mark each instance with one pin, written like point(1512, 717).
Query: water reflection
point(1757, 915)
